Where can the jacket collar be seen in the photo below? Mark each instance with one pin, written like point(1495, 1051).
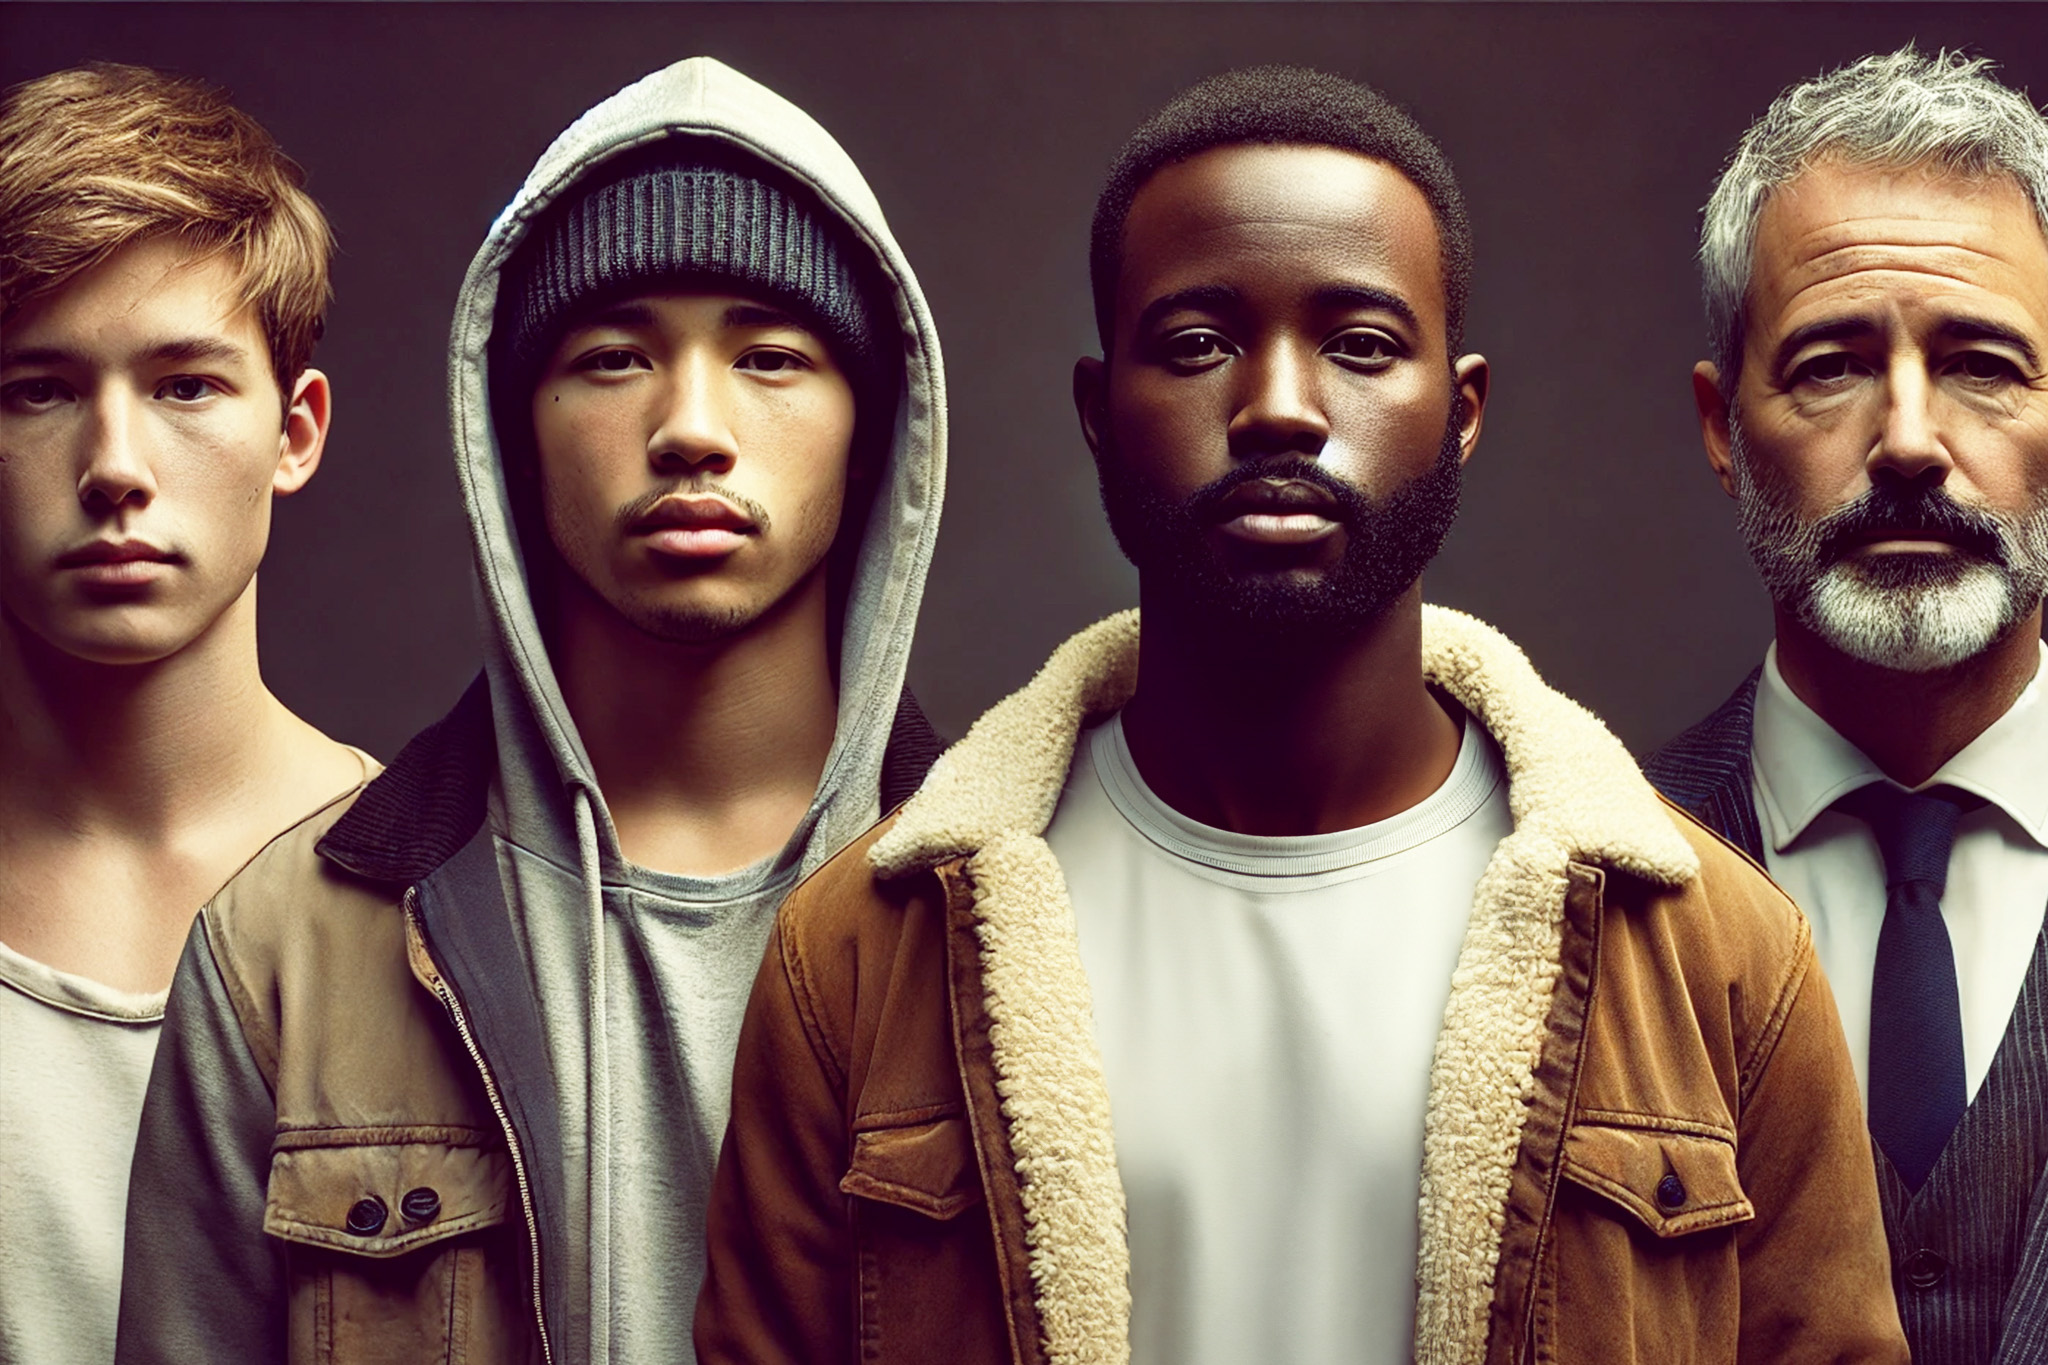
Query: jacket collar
point(1576, 797)
point(428, 804)
point(1567, 772)
point(1706, 770)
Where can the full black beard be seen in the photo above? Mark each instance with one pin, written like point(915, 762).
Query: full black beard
point(1388, 543)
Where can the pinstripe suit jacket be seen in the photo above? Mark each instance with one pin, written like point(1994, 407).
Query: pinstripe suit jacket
point(1987, 1199)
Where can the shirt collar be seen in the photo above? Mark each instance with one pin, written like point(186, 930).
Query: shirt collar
point(1803, 766)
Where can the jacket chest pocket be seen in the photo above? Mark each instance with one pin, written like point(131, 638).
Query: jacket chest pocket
point(398, 1245)
point(1672, 1183)
point(926, 1167)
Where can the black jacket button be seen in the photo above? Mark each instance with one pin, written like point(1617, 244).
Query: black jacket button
point(420, 1205)
point(1670, 1191)
point(1924, 1269)
point(366, 1216)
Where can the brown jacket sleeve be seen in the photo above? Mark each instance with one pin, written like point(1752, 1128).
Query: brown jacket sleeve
point(777, 1286)
point(1816, 1279)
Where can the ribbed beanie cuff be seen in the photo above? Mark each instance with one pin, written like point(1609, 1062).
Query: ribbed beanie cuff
point(681, 211)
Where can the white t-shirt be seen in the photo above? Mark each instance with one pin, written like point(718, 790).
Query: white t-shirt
point(74, 1062)
point(1267, 1010)
point(1829, 863)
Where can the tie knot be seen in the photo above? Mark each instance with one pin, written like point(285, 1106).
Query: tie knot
point(1914, 830)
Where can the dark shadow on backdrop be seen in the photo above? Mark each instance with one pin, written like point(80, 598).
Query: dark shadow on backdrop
point(1586, 136)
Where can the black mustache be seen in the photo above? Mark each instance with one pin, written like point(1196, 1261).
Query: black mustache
point(1930, 512)
point(1350, 503)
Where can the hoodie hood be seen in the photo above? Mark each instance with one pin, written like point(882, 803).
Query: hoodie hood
point(639, 978)
point(702, 97)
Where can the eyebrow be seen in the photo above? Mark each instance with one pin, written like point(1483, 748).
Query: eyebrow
point(1216, 297)
point(761, 315)
point(1984, 329)
point(180, 349)
point(1828, 329)
point(1954, 329)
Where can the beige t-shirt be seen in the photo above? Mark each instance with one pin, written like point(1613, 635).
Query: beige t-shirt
point(74, 1062)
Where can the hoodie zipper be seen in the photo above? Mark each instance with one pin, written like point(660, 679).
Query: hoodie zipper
point(448, 1002)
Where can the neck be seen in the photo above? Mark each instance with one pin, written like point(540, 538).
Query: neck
point(1292, 739)
point(708, 753)
point(145, 748)
point(1909, 724)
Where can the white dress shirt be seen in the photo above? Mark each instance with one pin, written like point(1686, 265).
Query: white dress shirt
point(1829, 862)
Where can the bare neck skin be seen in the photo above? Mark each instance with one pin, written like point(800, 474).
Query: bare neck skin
point(708, 754)
point(1309, 741)
point(1908, 723)
point(130, 793)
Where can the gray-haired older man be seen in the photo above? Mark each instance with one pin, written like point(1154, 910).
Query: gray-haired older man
point(1876, 281)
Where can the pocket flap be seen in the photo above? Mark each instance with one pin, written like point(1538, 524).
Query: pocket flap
point(1673, 1182)
point(383, 1198)
point(928, 1168)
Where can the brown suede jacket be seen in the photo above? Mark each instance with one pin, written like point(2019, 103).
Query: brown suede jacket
point(1643, 1142)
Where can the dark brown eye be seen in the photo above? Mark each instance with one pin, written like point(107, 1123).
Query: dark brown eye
point(188, 388)
point(1196, 347)
point(1985, 367)
point(1363, 347)
point(1831, 368)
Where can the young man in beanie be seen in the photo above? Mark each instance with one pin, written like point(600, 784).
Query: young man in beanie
point(161, 287)
point(447, 1070)
point(1149, 1026)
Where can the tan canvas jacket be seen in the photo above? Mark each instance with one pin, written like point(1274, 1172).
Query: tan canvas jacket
point(1643, 1139)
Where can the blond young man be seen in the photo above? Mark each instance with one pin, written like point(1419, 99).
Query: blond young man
point(161, 289)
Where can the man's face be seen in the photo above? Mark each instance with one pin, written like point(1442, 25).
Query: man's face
point(142, 434)
point(693, 458)
point(1275, 428)
point(1888, 442)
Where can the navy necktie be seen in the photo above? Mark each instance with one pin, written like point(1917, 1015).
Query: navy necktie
point(1917, 1086)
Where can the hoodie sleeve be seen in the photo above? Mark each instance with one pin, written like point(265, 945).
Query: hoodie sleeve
point(200, 1279)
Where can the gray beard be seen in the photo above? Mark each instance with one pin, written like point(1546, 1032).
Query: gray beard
point(1908, 612)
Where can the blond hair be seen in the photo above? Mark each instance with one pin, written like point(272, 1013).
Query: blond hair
point(101, 156)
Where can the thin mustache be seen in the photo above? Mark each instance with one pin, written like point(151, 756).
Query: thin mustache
point(648, 501)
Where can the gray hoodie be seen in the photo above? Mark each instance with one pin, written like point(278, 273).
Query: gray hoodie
point(641, 977)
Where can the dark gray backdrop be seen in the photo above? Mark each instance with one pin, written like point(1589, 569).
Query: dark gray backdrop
point(1586, 137)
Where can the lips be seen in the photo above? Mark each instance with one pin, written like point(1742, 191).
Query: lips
point(1277, 512)
point(107, 564)
point(693, 526)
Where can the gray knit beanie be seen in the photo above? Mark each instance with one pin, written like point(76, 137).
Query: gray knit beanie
point(684, 207)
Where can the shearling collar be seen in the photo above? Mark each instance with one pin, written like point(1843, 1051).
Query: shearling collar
point(1576, 798)
point(1567, 772)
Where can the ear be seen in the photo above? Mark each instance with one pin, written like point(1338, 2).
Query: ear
point(1091, 400)
point(1473, 377)
point(1713, 410)
point(305, 433)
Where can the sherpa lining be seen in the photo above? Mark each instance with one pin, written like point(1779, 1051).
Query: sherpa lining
point(1576, 797)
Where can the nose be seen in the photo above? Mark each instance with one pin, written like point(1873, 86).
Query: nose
point(693, 434)
point(1280, 408)
point(116, 474)
point(1909, 445)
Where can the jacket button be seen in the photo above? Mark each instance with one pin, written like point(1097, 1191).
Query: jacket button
point(1670, 1191)
point(420, 1205)
point(1924, 1269)
point(366, 1216)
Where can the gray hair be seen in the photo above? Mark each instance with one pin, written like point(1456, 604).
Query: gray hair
point(1898, 109)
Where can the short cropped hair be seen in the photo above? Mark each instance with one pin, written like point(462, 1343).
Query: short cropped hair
point(98, 157)
point(1282, 106)
point(1900, 109)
